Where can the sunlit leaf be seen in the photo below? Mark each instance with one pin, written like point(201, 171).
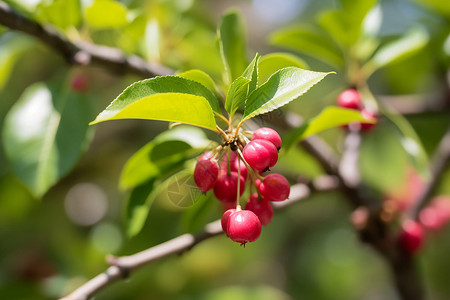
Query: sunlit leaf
point(232, 44)
point(237, 94)
point(168, 98)
point(270, 63)
point(397, 50)
point(44, 134)
point(330, 117)
point(251, 73)
point(106, 14)
point(310, 41)
point(282, 87)
point(200, 77)
point(61, 13)
point(10, 51)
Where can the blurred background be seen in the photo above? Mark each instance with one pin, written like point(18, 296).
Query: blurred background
point(52, 241)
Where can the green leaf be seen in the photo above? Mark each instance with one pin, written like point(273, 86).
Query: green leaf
point(397, 50)
point(44, 134)
point(163, 155)
point(237, 94)
point(282, 87)
point(330, 117)
point(103, 14)
point(270, 63)
point(61, 13)
point(344, 25)
point(251, 73)
point(12, 48)
point(410, 142)
point(232, 44)
point(137, 207)
point(310, 41)
point(200, 77)
point(168, 98)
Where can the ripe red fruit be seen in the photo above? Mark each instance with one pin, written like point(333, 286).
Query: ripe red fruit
point(260, 154)
point(261, 208)
point(233, 166)
point(349, 99)
point(275, 187)
point(411, 236)
point(205, 174)
point(206, 155)
point(268, 134)
point(225, 218)
point(225, 188)
point(243, 226)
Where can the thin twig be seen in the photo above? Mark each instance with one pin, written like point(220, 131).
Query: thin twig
point(124, 266)
point(81, 53)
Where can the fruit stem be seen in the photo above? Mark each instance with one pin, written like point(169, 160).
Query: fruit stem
point(222, 118)
point(237, 129)
point(222, 133)
point(250, 169)
point(238, 183)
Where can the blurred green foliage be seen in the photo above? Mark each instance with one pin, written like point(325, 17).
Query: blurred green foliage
point(309, 251)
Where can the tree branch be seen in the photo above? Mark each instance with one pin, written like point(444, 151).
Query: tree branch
point(81, 53)
point(122, 267)
point(440, 161)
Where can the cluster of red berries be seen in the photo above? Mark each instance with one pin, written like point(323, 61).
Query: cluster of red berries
point(351, 99)
point(227, 170)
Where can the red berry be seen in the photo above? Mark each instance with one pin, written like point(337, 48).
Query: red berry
point(243, 226)
point(206, 155)
point(268, 134)
point(275, 187)
point(261, 208)
point(369, 116)
point(233, 166)
point(79, 83)
point(225, 218)
point(225, 188)
point(411, 236)
point(349, 99)
point(205, 174)
point(260, 154)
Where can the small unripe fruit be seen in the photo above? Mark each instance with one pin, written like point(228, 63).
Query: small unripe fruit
point(225, 188)
point(268, 134)
point(411, 236)
point(275, 187)
point(79, 83)
point(349, 99)
point(205, 174)
point(260, 154)
point(261, 208)
point(243, 226)
point(225, 218)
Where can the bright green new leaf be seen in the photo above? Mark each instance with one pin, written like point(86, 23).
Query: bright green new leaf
point(106, 14)
point(310, 41)
point(200, 77)
point(330, 117)
point(61, 13)
point(251, 73)
point(232, 44)
point(163, 154)
point(44, 134)
point(413, 41)
point(237, 94)
point(282, 87)
point(272, 62)
point(168, 98)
